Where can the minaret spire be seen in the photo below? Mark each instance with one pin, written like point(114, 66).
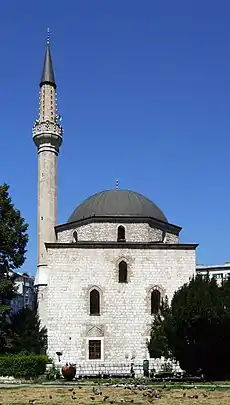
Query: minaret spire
point(47, 72)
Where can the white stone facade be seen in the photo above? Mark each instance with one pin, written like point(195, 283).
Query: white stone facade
point(125, 308)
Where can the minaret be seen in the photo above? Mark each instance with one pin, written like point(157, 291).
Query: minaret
point(47, 136)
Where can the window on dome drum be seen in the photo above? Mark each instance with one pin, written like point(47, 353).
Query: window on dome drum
point(155, 302)
point(121, 234)
point(123, 272)
point(94, 302)
point(75, 237)
point(94, 349)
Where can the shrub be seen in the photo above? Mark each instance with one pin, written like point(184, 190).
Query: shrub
point(22, 365)
point(53, 373)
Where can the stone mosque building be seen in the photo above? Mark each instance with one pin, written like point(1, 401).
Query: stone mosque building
point(101, 275)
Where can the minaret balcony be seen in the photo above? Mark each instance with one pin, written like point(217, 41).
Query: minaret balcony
point(47, 132)
point(47, 127)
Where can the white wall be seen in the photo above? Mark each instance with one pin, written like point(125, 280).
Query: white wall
point(125, 318)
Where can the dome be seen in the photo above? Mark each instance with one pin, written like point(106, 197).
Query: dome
point(117, 203)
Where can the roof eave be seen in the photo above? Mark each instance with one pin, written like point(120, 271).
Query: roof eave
point(117, 219)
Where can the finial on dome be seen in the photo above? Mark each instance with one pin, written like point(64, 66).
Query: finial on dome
point(117, 185)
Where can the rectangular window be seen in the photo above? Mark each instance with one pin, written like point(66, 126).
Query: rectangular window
point(94, 349)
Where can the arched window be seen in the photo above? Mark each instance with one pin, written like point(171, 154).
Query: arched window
point(155, 301)
point(75, 237)
point(94, 302)
point(121, 234)
point(163, 237)
point(123, 272)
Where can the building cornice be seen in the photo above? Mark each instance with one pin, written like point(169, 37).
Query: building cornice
point(121, 245)
point(213, 267)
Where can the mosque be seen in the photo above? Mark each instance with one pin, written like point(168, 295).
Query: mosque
point(101, 275)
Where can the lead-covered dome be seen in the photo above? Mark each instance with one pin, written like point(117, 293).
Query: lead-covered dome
point(117, 203)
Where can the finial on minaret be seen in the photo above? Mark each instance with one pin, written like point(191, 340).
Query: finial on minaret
point(117, 184)
point(47, 72)
point(48, 36)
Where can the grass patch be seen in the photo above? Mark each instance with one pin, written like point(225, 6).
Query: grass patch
point(86, 396)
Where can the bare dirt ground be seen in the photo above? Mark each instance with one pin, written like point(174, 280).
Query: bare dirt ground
point(107, 396)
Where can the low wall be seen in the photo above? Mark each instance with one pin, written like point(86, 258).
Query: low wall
point(94, 368)
point(158, 364)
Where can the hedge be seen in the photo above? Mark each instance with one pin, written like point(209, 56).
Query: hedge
point(21, 365)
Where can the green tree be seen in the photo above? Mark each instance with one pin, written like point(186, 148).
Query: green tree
point(7, 292)
point(13, 240)
point(13, 236)
point(158, 346)
point(198, 329)
point(26, 334)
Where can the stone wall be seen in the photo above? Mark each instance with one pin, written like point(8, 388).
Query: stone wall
point(42, 304)
point(125, 320)
point(158, 364)
point(171, 238)
point(107, 232)
point(121, 369)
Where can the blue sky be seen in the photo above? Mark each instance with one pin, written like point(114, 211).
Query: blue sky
point(144, 91)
